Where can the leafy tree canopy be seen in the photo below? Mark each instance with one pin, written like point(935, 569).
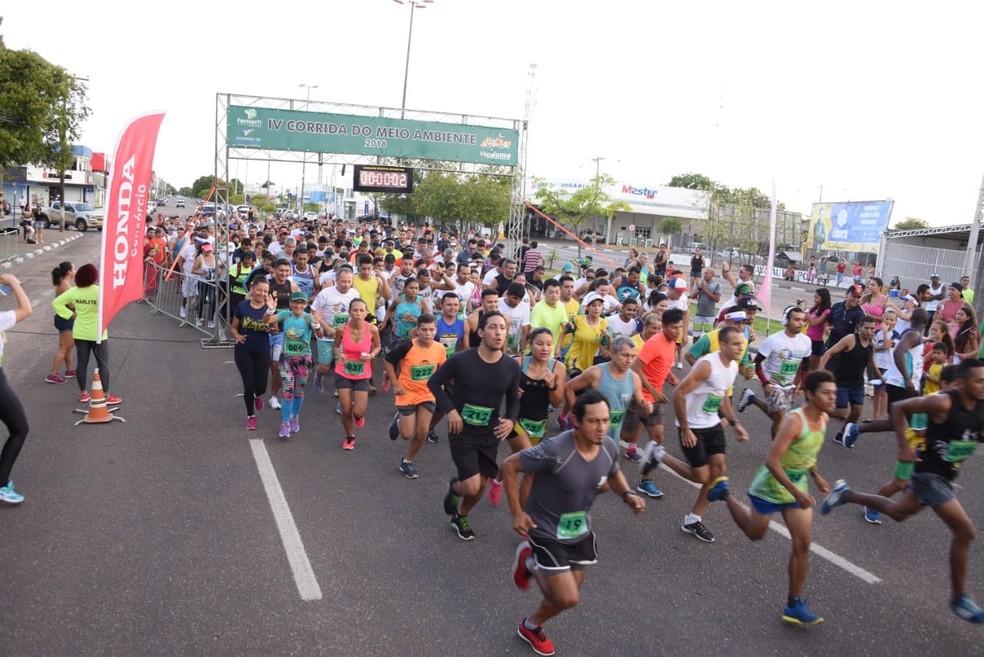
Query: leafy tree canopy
point(911, 223)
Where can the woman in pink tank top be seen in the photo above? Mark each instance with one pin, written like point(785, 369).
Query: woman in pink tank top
point(356, 345)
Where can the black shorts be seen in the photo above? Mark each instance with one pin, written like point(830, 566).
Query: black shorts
point(554, 557)
point(709, 441)
point(475, 453)
point(896, 393)
point(358, 385)
point(816, 348)
point(63, 324)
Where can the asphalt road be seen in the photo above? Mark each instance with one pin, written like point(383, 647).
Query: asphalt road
point(157, 536)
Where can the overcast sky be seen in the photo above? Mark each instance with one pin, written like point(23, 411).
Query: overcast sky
point(866, 100)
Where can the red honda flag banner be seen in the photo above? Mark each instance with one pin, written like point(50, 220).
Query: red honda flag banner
point(127, 194)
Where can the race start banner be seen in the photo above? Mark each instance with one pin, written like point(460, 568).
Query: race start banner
point(854, 227)
point(128, 191)
point(349, 134)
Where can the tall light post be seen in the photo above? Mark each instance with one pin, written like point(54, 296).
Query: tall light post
point(414, 4)
point(300, 197)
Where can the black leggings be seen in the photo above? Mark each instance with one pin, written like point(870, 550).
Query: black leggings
point(12, 415)
point(254, 367)
point(101, 352)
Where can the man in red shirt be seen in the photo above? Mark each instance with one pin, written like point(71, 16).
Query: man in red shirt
point(653, 366)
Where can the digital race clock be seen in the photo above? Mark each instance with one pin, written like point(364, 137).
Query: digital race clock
point(375, 178)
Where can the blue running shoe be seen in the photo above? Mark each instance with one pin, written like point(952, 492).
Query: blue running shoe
point(851, 435)
point(9, 496)
point(963, 607)
point(719, 489)
point(872, 516)
point(406, 467)
point(647, 487)
point(798, 614)
point(394, 430)
point(837, 497)
point(634, 456)
point(338, 407)
point(319, 384)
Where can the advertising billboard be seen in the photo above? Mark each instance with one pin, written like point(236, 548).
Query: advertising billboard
point(848, 226)
point(319, 132)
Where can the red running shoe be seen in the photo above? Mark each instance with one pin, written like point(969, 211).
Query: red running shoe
point(84, 398)
point(495, 492)
point(113, 399)
point(536, 638)
point(359, 422)
point(521, 574)
point(349, 443)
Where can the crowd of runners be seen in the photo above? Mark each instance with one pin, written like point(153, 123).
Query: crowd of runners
point(456, 328)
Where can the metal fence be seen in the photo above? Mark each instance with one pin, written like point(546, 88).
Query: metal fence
point(195, 302)
point(913, 264)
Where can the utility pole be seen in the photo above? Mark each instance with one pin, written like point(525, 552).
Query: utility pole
point(971, 257)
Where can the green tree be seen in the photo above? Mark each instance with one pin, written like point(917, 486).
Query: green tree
point(200, 187)
point(911, 223)
point(693, 181)
point(32, 91)
point(670, 226)
point(575, 209)
point(67, 116)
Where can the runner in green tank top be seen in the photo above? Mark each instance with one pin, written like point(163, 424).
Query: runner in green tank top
point(780, 486)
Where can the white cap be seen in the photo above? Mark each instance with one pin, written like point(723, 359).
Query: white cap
point(592, 296)
point(678, 284)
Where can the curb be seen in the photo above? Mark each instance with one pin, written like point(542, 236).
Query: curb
point(19, 260)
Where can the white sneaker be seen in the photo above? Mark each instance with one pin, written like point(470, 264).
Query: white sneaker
point(198, 322)
point(274, 403)
point(211, 325)
point(183, 313)
point(653, 454)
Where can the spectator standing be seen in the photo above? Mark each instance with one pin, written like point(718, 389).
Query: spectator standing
point(937, 292)
point(532, 259)
point(696, 266)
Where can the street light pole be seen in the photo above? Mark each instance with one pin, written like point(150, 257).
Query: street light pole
point(414, 4)
point(300, 199)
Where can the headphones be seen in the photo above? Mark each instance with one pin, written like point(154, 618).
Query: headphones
point(785, 313)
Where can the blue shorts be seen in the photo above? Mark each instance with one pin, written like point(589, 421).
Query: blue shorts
point(326, 352)
point(276, 345)
point(931, 489)
point(853, 396)
point(63, 324)
point(766, 508)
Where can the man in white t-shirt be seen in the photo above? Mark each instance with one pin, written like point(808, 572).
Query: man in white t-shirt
point(458, 282)
point(782, 355)
point(624, 323)
point(517, 315)
point(937, 291)
point(677, 295)
point(333, 304)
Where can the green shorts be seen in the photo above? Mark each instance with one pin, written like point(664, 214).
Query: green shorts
point(326, 352)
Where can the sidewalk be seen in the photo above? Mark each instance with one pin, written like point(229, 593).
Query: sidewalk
point(14, 250)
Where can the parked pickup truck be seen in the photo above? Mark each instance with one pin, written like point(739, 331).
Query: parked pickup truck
point(81, 215)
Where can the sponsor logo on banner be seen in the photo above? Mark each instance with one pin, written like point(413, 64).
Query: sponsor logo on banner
point(127, 196)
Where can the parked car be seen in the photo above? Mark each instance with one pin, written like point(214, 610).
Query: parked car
point(180, 203)
point(589, 235)
point(81, 215)
point(243, 210)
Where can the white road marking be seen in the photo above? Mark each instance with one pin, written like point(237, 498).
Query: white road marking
point(818, 550)
point(300, 565)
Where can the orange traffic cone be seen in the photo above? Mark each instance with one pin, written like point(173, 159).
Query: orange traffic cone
point(99, 411)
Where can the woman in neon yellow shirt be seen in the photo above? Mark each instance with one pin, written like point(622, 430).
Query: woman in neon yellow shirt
point(81, 304)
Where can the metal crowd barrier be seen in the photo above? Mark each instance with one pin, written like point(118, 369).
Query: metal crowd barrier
point(209, 304)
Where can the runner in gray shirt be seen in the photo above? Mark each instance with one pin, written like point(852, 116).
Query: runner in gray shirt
point(571, 469)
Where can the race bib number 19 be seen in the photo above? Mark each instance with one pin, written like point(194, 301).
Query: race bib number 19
point(572, 525)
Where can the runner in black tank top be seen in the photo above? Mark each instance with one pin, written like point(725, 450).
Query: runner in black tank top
point(955, 428)
point(854, 354)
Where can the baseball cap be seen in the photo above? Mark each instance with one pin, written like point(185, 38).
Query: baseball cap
point(749, 303)
point(283, 231)
point(568, 267)
point(743, 288)
point(298, 296)
point(591, 297)
point(909, 297)
point(736, 316)
point(678, 284)
point(934, 275)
